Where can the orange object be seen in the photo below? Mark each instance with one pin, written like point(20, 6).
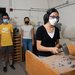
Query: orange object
point(42, 66)
point(35, 66)
point(71, 48)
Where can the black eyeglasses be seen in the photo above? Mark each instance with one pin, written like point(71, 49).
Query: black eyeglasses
point(55, 17)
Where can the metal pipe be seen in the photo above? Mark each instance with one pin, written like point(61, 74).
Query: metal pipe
point(44, 10)
point(33, 9)
point(64, 5)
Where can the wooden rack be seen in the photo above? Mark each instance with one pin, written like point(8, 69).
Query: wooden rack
point(17, 47)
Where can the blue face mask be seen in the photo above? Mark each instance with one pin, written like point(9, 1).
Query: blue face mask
point(5, 20)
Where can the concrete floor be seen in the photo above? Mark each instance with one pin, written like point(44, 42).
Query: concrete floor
point(20, 69)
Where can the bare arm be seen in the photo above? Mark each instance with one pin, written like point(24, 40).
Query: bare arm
point(12, 36)
point(43, 48)
point(11, 31)
point(32, 34)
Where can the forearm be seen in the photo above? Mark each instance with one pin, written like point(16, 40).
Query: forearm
point(33, 38)
point(32, 35)
point(12, 36)
point(43, 48)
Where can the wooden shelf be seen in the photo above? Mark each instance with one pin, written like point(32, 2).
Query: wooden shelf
point(17, 47)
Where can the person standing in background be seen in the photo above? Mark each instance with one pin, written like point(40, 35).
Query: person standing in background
point(27, 32)
point(6, 44)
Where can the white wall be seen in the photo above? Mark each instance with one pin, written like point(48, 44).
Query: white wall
point(53, 3)
point(67, 15)
point(21, 8)
point(27, 4)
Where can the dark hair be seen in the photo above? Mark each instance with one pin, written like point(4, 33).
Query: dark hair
point(26, 18)
point(5, 14)
point(46, 16)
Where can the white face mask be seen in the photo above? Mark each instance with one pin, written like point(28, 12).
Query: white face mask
point(53, 21)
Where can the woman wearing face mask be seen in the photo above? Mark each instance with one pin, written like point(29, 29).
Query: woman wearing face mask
point(47, 35)
point(27, 32)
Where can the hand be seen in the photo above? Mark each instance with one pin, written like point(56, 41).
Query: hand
point(55, 50)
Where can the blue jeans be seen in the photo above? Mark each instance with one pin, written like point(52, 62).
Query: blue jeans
point(27, 44)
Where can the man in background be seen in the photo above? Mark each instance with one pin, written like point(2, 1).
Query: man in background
point(6, 44)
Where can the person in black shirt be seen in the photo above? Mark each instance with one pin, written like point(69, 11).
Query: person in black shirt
point(47, 35)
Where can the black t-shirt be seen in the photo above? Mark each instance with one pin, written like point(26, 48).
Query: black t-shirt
point(46, 40)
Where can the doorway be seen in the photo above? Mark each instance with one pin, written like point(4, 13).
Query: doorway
point(2, 11)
